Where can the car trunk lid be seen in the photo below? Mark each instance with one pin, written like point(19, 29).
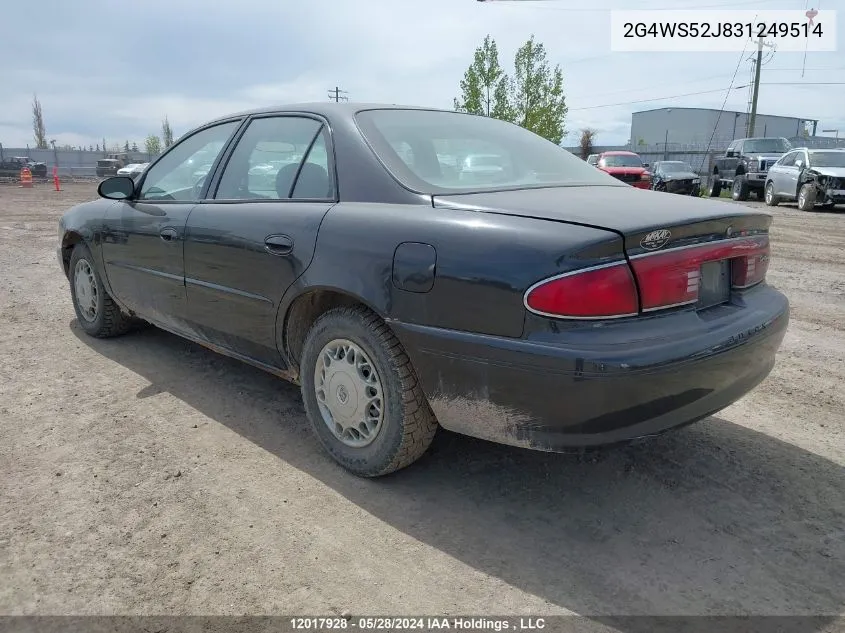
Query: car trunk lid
point(682, 250)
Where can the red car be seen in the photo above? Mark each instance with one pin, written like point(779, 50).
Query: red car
point(627, 167)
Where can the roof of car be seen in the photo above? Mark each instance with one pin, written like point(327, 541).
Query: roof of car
point(328, 108)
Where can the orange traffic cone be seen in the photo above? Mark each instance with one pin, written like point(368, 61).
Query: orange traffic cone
point(56, 179)
point(26, 178)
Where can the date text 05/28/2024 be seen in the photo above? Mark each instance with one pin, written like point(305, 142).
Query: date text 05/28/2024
point(720, 31)
point(417, 624)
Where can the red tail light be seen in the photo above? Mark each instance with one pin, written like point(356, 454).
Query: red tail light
point(672, 278)
point(602, 292)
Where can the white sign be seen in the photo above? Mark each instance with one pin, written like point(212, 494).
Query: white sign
point(724, 30)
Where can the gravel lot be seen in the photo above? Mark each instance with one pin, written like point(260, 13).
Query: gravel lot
point(147, 475)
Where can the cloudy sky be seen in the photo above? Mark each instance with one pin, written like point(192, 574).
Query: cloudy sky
point(106, 68)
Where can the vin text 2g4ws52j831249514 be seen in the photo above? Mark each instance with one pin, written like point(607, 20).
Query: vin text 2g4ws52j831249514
point(415, 268)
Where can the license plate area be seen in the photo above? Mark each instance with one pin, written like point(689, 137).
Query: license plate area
point(714, 284)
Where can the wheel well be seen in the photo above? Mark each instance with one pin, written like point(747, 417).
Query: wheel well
point(740, 170)
point(69, 241)
point(304, 311)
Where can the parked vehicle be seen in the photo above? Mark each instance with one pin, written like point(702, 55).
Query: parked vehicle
point(555, 308)
point(627, 167)
point(744, 166)
point(11, 167)
point(593, 159)
point(108, 167)
point(675, 176)
point(810, 176)
point(132, 170)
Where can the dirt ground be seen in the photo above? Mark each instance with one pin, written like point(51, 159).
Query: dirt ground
point(147, 475)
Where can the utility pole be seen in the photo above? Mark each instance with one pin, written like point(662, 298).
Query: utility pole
point(336, 94)
point(758, 63)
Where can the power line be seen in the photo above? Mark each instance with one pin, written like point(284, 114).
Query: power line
point(722, 109)
point(337, 95)
point(686, 94)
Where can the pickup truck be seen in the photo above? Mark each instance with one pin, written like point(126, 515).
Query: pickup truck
point(744, 166)
point(11, 167)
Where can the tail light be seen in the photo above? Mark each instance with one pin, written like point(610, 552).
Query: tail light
point(601, 292)
point(672, 278)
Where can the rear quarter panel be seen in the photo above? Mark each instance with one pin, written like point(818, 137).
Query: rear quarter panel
point(484, 262)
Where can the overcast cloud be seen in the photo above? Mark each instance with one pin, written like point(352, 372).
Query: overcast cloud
point(111, 69)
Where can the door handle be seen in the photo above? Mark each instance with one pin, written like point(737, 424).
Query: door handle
point(169, 234)
point(278, 244)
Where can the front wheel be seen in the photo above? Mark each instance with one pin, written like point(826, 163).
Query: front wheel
point(96, 311)
point(771, 199)
point(807, 197)
point(740, 189)
point(362, 395)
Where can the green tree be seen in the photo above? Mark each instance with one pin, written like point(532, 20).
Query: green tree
point(126, 146)
point(38, 124)
point(134, 146)
point(152, 144)
point(166, 133)
point(104, 145)
point(537, 93)
point(485, 87)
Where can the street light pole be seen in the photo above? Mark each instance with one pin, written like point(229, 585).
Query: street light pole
point(666, 137)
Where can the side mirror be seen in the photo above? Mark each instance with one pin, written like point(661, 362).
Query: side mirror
point(730, 153)
point(645, 165)
point(799, 164)
point(117, 188)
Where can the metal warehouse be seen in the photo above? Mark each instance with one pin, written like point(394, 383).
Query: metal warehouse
point(678, 127)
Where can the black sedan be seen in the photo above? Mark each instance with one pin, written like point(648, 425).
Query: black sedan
point(545, 304)
point(675, 176)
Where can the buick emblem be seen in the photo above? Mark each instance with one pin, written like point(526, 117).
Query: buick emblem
point(656, 239)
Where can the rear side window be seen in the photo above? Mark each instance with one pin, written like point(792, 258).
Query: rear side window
point(278, 158)
point(434, 151)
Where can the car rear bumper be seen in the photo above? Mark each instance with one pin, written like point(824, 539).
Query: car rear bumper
point(604, 384)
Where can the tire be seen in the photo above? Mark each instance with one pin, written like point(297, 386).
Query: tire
point(96, 311)
point(771, 199)
point(714, 187)
point(407, 425)
point(740, 190)
point(807, 197)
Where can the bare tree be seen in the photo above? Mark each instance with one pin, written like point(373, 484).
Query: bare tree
point(586, 143)
point(38, 124)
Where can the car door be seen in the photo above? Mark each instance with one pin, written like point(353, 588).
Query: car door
point(786, 180)
point(255, 234)
point(143, 236)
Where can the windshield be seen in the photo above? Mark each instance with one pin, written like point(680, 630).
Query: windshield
point(827, 159)
point(437, 152)
point(766, 146)
point(675, 167)
point(621, 160)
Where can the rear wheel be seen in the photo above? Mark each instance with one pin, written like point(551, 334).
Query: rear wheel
point(96, 311)
point(807, 197)
point(714, 187)
point(771, 199)
point(740, 190)
point(362, 395)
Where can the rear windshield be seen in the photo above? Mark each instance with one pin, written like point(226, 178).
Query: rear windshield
point(767, 145)
point(621, 160)
point(828, 159)
point(106, 162)
point(450, 152)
